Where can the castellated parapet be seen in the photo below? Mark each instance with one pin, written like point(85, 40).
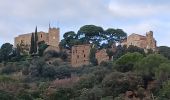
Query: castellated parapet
point(145, 42)
point(51, 38)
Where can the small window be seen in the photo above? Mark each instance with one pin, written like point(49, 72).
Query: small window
point(77, 56)
point(83, 51)
point(84, 55)
point(41, 35)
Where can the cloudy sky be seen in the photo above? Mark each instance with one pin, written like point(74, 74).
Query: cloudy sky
point(133, 16)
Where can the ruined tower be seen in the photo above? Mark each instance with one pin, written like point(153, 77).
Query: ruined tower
point(53, 36)
point(151, 43)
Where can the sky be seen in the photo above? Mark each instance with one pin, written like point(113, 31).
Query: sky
point(133, 16)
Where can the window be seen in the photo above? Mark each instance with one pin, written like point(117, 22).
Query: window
point(84, 55)
point(77, 56)
point(41, 35)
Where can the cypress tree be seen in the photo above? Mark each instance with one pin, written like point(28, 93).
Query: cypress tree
point(32, 44)
point(36, 41)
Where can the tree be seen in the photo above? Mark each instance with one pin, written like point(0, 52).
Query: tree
point(163, 72)
point(41, 48)
point(110, 53)
point(117, 82)
point(120, 50)
point(63, 72)
point(36, 40)
point(61, 94)
point(165, 51)
point(92, 56)
point(115, 35)
point(6, 51)
point(69, 40)
point(32, 44)
point(0, 56)
point(127, 61)
point(91, 34)
point(148, 65)
point(6, 96)
point(165, 91)
point(132, 49)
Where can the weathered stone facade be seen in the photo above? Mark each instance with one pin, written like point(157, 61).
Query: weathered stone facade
point(101, 55)
point(51, 38)
point(145, 42)
point(80, 55)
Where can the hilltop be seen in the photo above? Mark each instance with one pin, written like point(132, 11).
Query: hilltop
point(138, 70)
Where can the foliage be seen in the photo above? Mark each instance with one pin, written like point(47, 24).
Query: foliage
point(92, 56)
point(116, 35)
point(36, 40)
point(24, 95)
point(120, 51)
point(149, 64)
point(90, 34)
point(6, 96)
point(69, 40)
point(165, 51)
point(126, 62)
point(165, 91)
point(6, 51)
point(132, 49)
point(41, 48)
point(32, 44)
point(61, 94)
point(163, 72)
point(116, 83)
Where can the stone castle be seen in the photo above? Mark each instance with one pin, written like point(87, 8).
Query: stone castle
point(145, 42)
point(51, 38)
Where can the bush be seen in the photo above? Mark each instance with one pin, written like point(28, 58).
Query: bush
point(6, 96)
point(165, 91)
point(61, 94)
point(126, 62)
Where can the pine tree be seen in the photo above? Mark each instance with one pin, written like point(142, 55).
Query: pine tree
point(32, 44)
point(36, 40)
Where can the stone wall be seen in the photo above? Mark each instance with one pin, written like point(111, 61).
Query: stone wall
point(145, 42)
point(80, 55)
point(54, 37)
point(25, 38)
point(51, 38)
point(101, 56)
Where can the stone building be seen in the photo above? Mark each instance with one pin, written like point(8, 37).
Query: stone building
point(51, 38)
point(101, 55)
point(80, 55)
point(145, 42)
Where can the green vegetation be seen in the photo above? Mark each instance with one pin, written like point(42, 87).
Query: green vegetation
point(49, 75)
